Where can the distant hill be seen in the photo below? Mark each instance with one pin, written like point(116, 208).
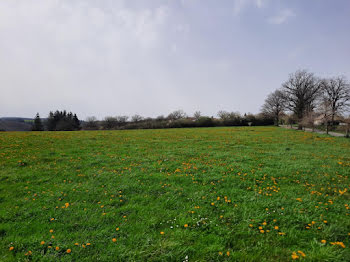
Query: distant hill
point(15, 124)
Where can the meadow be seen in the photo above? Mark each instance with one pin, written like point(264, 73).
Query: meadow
point(200, 194)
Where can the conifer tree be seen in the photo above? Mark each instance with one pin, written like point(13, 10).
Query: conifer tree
point(38, 125)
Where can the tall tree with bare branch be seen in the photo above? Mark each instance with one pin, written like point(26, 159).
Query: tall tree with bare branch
point(274, 105)
point(301, 90)
point(336, 93)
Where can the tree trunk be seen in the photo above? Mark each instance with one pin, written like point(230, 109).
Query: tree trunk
point(347, 135)
point(276, 121)
point(327, 129)
point(300, 127)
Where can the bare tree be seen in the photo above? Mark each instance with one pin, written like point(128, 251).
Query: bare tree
point(160, 118)
point(336, 94)
point(289, 119)
point(91, 123)
point(109, 122)
point(230, 118)
point(178, 114)
point(225, 115)
point(121, 120)
point(197, 115)
point(301, 90)
point(136, 118)
point(325, 110)
point(309, 120)
point(274, 105)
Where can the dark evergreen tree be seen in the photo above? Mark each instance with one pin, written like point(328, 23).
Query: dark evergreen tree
point(76, 122)
point(38, 125)
point(63, 121)
point(51, 122)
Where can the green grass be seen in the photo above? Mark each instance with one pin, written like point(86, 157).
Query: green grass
point(222, 183)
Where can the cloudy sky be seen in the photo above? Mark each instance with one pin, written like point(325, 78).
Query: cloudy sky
point(150, 57)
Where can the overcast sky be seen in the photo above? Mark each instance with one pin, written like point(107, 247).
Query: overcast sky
point(150, 57)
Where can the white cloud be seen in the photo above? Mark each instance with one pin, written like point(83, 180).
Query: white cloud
point(281, 17)
point(73, 53)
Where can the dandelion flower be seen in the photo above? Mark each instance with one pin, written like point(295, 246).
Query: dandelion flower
point(57, 248)
point(294, 256)
point(114, 240)
point(11, 248)
point(69, 250)
point(323, 241)
point(42, 242)
point(162, 233)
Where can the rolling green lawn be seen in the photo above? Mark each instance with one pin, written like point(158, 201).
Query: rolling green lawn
point(201, 194)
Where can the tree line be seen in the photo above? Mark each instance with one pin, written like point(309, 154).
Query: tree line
point(307, 100)
point(304, 99)
point(63, 121)
point(176, 119)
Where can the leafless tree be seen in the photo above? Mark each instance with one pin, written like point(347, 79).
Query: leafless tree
point(301, 90)
point(91, 123)
point(178, 114)
point(224, 115)
point(230, 118)
point(325, 110)
point(289, 119)
point(197, 115)
point(274, 105)
point(160, 118)
point(336, 94)
point(121, 119)
point(109, 122)
point(136, 118)
point(309, 120)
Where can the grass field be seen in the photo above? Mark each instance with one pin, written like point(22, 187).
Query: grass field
point(210, 194)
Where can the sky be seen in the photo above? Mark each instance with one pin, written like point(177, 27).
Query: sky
point(151, 57)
